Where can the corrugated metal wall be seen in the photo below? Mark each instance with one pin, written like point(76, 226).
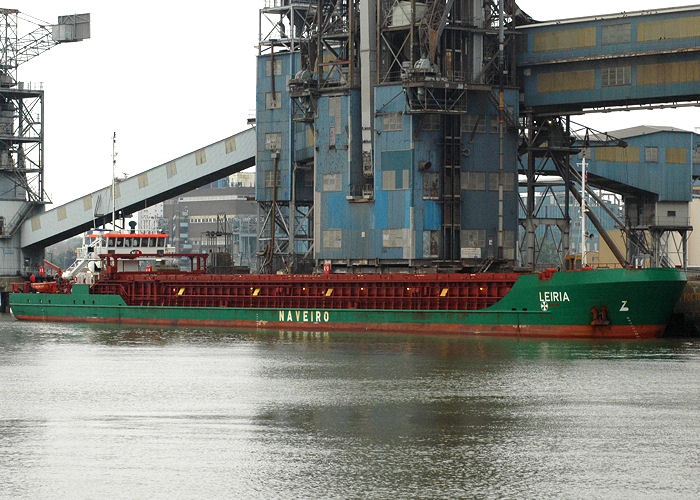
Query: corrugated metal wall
point(658, 163)
point(611, 61)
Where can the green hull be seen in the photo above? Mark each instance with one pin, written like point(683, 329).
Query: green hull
point(633, 303)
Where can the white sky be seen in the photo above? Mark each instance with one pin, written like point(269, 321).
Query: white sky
point(171, 80)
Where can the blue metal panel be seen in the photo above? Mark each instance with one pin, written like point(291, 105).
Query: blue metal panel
point(532, 64)
point(480, 207)
point(670, 181)
point(530, 57)
point(615, 95)
point(275, 121)
point(397, 216)
point(433, 216)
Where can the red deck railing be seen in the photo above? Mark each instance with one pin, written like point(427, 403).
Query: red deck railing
point(336, 291)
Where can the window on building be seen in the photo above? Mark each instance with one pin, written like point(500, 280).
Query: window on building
point(171, 169)
point(474, 238)
point(2, 225)
point(273, 141)
point(334, 104)
point(392, 122)
point(615, 76)
point(273, 100)
point(651, 154)
point(200, 156)
point(474, 181)
point(696, 156)
point(616, 33)
point(332, 182)
point(431, 186)
point(474, 124)
point(431, 244)
point(278, 67)
point(508, 181)
point(333, 239)
point(230, 145)
point(393, 238)
point(671, 213)
point(678, 156)
point(269, 182)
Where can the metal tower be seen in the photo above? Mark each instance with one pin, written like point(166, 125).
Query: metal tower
point(22, 193)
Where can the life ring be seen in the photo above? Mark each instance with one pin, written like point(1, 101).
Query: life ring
point(136, 252)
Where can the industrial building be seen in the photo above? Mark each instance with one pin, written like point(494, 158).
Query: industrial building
point(644, 186)
point(393, 133)
point(694, 238)
point(220, 218)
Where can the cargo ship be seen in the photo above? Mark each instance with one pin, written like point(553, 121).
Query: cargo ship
point(585, 303)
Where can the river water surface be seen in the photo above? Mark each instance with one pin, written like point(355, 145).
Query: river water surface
point(109, 412)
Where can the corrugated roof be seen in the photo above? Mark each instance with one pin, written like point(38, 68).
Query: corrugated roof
point(620, 15)
point(638, 131)
point(644, 130)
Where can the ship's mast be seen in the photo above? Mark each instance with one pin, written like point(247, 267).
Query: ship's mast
point(114, 168)
point(583, 210)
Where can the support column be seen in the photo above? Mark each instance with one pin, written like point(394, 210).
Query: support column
point(530, 207)
point(368, 76)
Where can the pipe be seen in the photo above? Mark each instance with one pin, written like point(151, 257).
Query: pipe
point(501, 41)
point(368, 70)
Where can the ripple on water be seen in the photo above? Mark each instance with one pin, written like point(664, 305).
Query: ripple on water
point(93, 411)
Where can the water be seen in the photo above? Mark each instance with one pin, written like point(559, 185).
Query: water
point(108, 412)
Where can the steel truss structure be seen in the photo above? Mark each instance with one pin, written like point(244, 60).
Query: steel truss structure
point(21, 122)
point(439, 49)
point(547, 144)
point(325, 34)
point(22, 190)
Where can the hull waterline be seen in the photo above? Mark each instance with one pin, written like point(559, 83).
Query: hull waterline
point(615, 304)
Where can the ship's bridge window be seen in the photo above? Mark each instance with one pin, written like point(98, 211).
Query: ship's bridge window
point(110, 242)
point(151, 242)
point(120, 242)
point(161, 242)
point(127, 242)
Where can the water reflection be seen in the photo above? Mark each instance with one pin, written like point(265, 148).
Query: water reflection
point(445, 347)
point(87, 411)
